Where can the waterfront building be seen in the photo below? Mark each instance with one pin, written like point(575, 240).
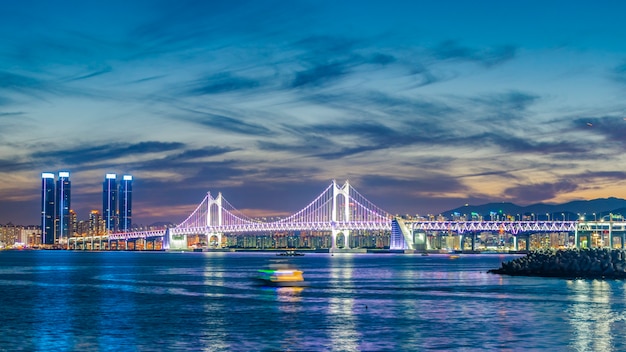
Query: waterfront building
point(96, 224)
point(82, 228)
point(63, 203)
point(109, 202)
point(30, 236)
point(15, 236)
point(126, 203)
point(47, 208)
point(73, 223)
point(9, 235)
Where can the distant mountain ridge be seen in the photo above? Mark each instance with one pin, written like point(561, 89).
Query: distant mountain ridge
point(601, 207)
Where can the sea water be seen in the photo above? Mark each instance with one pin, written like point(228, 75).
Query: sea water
point(159, 301)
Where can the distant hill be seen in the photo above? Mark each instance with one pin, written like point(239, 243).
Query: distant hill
point(601, 207)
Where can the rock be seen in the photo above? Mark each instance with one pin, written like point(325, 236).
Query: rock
point(588, 263)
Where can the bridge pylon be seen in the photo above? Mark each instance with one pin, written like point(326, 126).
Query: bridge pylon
point(335, 215)
point(212, 220)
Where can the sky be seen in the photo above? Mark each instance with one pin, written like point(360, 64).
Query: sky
point(422, 105)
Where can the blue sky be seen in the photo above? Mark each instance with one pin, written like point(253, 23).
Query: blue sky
point(422, 105)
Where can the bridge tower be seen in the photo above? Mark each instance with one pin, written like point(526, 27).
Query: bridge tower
point(345, 192)
point(211, 220)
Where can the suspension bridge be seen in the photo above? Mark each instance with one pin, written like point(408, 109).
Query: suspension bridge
point(338, 210)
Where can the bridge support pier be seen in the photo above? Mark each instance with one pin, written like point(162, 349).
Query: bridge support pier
point(176, 242)
point(218, 241)
point(463, 238)
point(525, 237)
point(346, 239)
point(473, 234)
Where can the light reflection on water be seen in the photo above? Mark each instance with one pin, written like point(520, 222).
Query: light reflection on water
point(209, 301)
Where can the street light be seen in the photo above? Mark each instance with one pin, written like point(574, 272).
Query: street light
point(548, 216)
point(594, 217)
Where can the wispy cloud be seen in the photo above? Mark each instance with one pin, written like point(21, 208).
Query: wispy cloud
point(20, 83)
point(221, 83)
point(7, 115)
point(319, 75)
point(611, 128)
point(86, 155)
point(223, 123)
point(91, 74)
point(490, 56)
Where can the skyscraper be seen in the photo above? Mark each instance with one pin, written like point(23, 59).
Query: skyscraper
point(63, 206)
point(47, 208)
point(109, 202)
point(126, 203)
point(95, 227)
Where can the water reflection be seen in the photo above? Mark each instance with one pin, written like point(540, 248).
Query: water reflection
point(343, 333)
point(594, 323)
point(209, 331)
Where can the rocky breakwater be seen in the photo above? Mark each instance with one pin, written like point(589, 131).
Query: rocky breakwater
point(568, 263)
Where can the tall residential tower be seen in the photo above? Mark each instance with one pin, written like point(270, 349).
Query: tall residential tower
point(109, 202)
point(47, 208)
point(63, 199)
point(126, 203)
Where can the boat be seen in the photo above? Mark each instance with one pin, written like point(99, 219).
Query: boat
point(281, 277)
point(290, 254)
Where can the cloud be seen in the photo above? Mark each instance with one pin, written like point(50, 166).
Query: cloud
point(319, 75)
point(590, 177)
point(9, 114)
point(540, 192)
point(399, 195)
point(508, 104)
point(91, 74)
point(381, 59)
point(221, 83)
point(325, 46)
point(336, 140)
point(15, 164)
point(91, 154)
point(205, 152)
point(611, 128)
point(19, 83)
point(329, 58)
point(224, 123)
point(514, 144)
point(488, 57)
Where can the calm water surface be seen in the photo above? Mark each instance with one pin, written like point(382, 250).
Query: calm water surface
point(133, 301)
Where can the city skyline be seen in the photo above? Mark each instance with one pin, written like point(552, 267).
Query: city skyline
point(423, 106)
